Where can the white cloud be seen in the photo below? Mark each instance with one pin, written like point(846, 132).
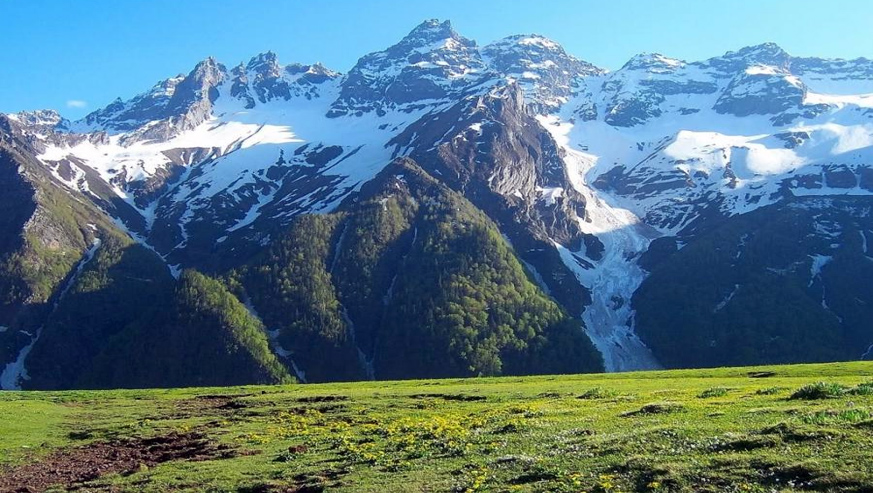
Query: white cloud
point(76, 103)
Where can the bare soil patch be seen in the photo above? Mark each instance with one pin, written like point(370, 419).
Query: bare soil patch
point(71, 467)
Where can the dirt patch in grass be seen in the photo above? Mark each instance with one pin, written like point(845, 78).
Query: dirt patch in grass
point(302, 483)
point(746, 443)
point(549, 395)
point(71, 467)
point(322, 398)
point(792, 433)
point(450, 397)
point(204, 405)
point(655, 408)
point(761, 374)
point(220, 397)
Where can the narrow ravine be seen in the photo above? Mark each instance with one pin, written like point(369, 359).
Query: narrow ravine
point(614, 278)
point(275, 345)
point(15, 372)
point(365, 362)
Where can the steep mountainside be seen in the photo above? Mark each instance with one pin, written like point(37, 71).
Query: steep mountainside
point(546, 202)
point(413, 281)
point(784, 283)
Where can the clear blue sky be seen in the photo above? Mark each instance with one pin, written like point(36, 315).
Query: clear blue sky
point(55, 53)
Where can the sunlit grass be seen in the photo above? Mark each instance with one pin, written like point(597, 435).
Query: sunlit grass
point(736, 429)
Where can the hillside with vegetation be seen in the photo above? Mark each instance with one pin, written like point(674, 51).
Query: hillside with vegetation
point(783, 284)
point(410, 280)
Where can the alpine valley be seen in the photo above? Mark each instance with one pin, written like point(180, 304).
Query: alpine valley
point(443, 209)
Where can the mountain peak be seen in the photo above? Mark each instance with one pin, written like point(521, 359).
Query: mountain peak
point(432, 35)
point(430, 62)
point(207, 63)
point(652, 62)
point(266, 58)
point(761, 54)
point(207, 71)
point(532, 40)
point(39, 118)
point(768, 48)
point(432, 30)
point(265, 65)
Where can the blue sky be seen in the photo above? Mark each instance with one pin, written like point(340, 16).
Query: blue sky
point(78, 56)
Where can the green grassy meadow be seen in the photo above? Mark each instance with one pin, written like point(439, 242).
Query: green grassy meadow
point(734, 429)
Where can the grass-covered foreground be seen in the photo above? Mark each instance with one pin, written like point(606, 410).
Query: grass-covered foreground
point(742, 429)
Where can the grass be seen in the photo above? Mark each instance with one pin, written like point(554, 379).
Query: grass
point(820, 390)
point(28, 427)
point(805, 427)
point(713, 392)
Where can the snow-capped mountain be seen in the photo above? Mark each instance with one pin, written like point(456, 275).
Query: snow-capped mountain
point(548, 74)
point(585, 172)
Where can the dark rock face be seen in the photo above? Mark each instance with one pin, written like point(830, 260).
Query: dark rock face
point(146, 191)
point(240, 87)
point(840, 177)
point(866, 177)
point(266, 83)
point(17, 202)
point(761, 94)
point(178, 104)
point(860, 69)
point(634, 111)
point(792, 139)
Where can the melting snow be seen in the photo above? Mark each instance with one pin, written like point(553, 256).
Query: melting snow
point(818, 263)
point(763, 70)
point(550, 194)
point(615, 276)
point(723, 303)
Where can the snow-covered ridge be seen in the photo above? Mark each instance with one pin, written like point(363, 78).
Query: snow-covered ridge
point(219, 157)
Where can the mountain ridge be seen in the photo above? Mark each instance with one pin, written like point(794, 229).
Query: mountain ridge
point(587, 174)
